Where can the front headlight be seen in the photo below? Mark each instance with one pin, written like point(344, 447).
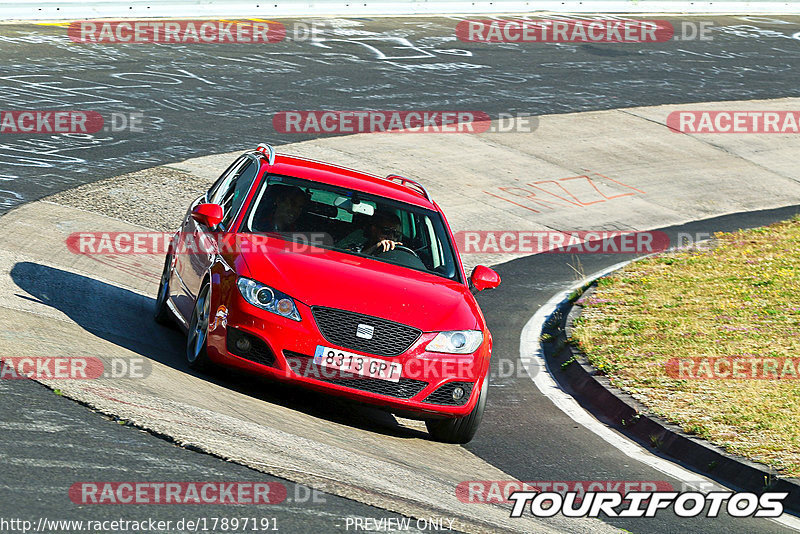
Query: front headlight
point(266, 298)
point(456, 342)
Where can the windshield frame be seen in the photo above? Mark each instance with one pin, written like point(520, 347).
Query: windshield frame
point(435, 217)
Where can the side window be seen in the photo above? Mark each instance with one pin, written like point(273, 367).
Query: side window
point(223, 183)
point(438, 258)
point(234, 197)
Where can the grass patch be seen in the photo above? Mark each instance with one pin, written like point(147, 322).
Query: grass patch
point(739, 299)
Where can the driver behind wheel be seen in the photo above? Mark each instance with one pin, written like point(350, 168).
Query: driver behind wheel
point(375, 234)
point(383, 233)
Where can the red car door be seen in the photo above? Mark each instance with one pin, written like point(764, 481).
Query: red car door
point(230, 191)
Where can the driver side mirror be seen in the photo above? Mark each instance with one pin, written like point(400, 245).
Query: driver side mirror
point(208, 215)
point(484, 278)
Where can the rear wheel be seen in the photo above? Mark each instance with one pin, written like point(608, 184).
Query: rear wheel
point(196, 342)
point(161, 313)
point(460, 429)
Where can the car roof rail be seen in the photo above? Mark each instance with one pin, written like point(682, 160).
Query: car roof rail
point(267, 150)
point(411, 184)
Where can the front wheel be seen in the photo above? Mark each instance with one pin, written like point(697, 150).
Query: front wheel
point(196, 342)
point(460, 429)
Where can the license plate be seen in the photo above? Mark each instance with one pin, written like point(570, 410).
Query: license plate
point(348, 362)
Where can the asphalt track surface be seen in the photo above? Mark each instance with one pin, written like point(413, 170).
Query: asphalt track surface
point(182, 89)
point(48, 443)
point(213, 98)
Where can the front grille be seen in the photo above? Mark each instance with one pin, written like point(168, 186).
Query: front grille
point(258, 352)
point(388, 338)
point(444, 395)
point(304, 366)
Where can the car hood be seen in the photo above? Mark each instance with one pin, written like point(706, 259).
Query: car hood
point(320, 277)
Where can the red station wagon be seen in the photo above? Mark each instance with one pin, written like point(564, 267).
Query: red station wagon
point(336, 280)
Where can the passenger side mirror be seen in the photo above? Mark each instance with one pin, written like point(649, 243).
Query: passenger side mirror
point(207, 214)
point(484, 278)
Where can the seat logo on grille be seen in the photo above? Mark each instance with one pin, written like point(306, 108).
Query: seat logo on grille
point(365, 331)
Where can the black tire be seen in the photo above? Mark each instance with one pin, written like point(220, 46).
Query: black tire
point(161, 312)
point(197, 339)
point(460, 429)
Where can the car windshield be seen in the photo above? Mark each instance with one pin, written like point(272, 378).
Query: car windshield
point(352, 222)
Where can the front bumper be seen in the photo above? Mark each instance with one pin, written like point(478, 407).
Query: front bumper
point(283, 349)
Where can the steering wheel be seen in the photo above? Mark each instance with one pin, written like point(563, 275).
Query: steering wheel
point(402, 248)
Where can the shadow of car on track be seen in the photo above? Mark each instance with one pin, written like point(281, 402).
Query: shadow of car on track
point(124, 317)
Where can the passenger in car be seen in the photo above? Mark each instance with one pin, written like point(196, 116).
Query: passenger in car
point(280, 209)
